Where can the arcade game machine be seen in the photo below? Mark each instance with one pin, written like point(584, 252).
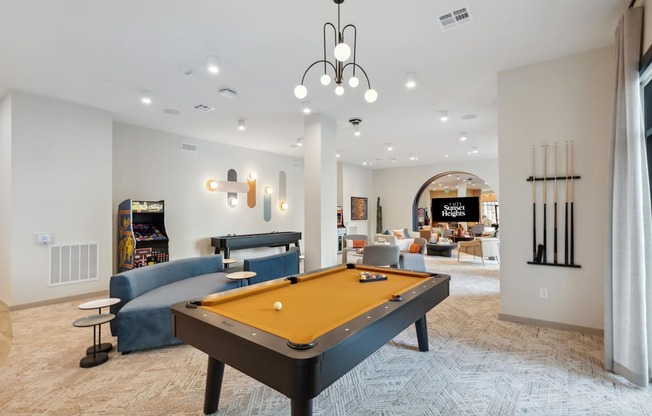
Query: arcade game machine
point(142, 239)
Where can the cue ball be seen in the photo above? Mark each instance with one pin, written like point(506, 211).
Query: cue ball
point(278, 306)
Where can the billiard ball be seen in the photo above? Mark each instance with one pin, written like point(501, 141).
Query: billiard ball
point(278, 306)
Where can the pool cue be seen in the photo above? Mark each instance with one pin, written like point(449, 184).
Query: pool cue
point(566, 213)
point(554, 255)
point(572, 203)
point(534, 214)
point(545, 203)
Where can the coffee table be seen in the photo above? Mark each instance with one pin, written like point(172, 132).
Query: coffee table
point(99, 304)
point(96, 357)
point(442, 250)
point(240, 276)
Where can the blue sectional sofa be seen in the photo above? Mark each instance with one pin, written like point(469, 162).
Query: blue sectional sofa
point(143, 317)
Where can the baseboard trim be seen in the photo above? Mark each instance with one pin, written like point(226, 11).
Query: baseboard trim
point(102, 293)
point(550, 324)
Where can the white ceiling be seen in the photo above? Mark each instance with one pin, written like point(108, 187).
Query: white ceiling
point(104, 53)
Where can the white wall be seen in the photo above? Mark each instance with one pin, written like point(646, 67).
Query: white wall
point(397, 188)
point(61, 184)
point(150, 165)
point(357, 181)
point(564, 99)
point(5, 197)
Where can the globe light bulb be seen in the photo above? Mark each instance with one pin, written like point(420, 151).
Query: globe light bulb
point(339, 90)
point(300, 91)
point(233, 202)
point(342, 52)
point(325, 79)
point(371, 95)
point(353, 82)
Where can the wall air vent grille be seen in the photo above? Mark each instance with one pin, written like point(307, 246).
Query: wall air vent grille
point(297, 165)
point(73, 263)
point(189, 147)
point(204, 108)
point(455, 18)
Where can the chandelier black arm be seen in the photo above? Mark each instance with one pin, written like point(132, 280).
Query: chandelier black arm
point(355, 41)
point(334, 37)
point(318, 62)
point(361, 69)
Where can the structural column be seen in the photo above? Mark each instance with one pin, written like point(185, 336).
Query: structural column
point(320, 182)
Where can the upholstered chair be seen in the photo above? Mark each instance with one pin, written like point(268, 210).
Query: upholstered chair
point(381, 255)
point(348, 248)
point(414, 261)
point(482, 247)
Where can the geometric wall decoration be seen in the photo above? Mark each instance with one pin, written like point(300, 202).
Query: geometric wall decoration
point(251, 194)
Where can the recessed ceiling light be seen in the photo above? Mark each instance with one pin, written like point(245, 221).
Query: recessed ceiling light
point(443, 115)
point(241, 124)
point(463, 136)
point(411, 80)
point(305, 107)
point(445, 155)
point(213, 65)
point(390, 148)
point(145, 97)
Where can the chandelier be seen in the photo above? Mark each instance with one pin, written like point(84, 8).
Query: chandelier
point(342, 53)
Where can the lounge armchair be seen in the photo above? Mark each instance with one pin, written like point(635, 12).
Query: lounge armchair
point(349, 248)
point(481, 247)
point(381, 255)
point(414, 261)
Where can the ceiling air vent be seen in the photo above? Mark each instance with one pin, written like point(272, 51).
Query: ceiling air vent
point(455, 18)
point(189, 147)
point(203, 107)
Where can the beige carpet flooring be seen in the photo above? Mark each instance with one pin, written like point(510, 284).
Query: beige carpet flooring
point(477, 365)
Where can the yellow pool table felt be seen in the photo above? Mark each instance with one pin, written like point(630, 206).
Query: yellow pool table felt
point(318, 303)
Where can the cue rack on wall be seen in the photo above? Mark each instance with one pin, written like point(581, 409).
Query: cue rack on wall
point(542, 187)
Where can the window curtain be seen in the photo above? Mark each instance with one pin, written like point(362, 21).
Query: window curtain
point(628, 286)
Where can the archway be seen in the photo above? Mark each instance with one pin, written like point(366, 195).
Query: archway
point(455, 176)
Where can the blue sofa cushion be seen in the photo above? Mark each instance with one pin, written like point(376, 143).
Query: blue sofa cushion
point(274, 266)
point(146, 321)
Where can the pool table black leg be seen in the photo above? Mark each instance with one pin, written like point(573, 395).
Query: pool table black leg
point(422, 333)
point(214, 376)
point(301, 407)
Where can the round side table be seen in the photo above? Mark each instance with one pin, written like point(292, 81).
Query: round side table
point(96, 357)
point(99, 304)
point(240, 276)
point(226, 262)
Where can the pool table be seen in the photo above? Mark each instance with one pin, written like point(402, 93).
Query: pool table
point(330, 321)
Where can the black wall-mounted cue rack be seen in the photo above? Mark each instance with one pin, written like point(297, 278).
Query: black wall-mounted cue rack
point(566, 262)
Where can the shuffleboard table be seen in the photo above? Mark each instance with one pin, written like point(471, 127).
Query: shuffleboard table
point(329, 321)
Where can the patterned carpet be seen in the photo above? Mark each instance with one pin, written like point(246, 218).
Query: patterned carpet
point(476, 365)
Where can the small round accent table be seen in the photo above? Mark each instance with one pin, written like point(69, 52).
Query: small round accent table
point(99, 304)
point(95, 357)
point(240, 276)
point(226, 262)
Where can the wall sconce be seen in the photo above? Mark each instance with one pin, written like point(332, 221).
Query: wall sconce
point(253, 176)
point(233, 202)
point(211, 185)
point(269, 190)
point(283, 206)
